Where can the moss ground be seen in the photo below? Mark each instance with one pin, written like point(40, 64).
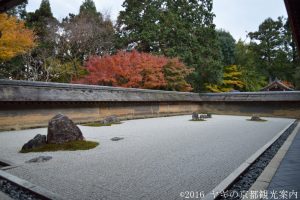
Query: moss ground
point(69, 146)
point(197, 120)
point(97, 124)
point(261, 120)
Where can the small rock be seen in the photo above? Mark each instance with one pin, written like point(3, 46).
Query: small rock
point(205, 116)
point(37, 141)
point(39, 159)
point(110, 120)
point(61, 130)
point(116, 138)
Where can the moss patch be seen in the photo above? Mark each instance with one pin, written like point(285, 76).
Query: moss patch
point(261, 120)
point(69, 146)
point(197, 120)
point(97, 124)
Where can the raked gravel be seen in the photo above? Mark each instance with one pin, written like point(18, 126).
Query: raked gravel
point(157, 159)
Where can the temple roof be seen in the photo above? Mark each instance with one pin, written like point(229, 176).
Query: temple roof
point(277, 85)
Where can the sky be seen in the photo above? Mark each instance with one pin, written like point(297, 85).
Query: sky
point(236, 16)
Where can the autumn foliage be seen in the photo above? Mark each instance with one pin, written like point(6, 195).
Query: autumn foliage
point(231, 80)
point(137, 70)
point(15, 38)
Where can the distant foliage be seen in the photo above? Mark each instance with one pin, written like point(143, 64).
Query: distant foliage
point(231, 80)
point(183, 29)
point(15, 38)
point(276, 53)
point(137, 70)
point(227, 45)
point(246, 60)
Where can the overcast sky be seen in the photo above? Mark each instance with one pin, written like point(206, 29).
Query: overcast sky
point(236, 16)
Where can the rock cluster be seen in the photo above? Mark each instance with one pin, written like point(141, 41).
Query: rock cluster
point(60, 130)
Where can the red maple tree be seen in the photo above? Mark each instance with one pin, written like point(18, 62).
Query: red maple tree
point(137, 70)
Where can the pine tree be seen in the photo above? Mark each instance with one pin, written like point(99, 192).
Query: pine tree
point(268, 42)
point(39, 19)
point(88, 8)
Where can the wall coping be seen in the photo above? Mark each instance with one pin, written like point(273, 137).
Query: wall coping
point(14, 90)
point(81, 86)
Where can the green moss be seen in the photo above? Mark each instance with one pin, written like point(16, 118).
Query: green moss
point(197, 120)
point(97, 124)
point(69, 146)
point(261, 120)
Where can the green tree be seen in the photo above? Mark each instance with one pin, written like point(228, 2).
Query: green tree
point(88, 8)
point(246, 60)
point(181, 29)
point(45, 26)
point(269, 43)
point(227, 45)
point(40, 19)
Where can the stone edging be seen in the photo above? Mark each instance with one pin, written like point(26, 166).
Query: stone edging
point(266, 176)
point(45, 194)
point(229, 180)
point(3, 196)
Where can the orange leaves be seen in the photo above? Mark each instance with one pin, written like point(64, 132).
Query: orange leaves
point(15, 38)
point(135, 70)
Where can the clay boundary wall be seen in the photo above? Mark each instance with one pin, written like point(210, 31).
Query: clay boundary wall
point(25, 104)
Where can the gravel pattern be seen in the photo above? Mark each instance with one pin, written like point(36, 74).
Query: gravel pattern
point(158, 159)
point(246, 180)
point(16, 192)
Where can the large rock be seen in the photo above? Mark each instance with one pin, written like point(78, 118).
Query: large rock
point(110, 120)
point(61, 130)
point(195, 116)
point(255, 118)
point(37, 141)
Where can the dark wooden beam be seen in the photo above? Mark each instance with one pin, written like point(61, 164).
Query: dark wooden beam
point(293, 10)
point(8, 4)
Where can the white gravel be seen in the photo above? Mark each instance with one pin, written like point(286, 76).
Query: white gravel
point(158, 159)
